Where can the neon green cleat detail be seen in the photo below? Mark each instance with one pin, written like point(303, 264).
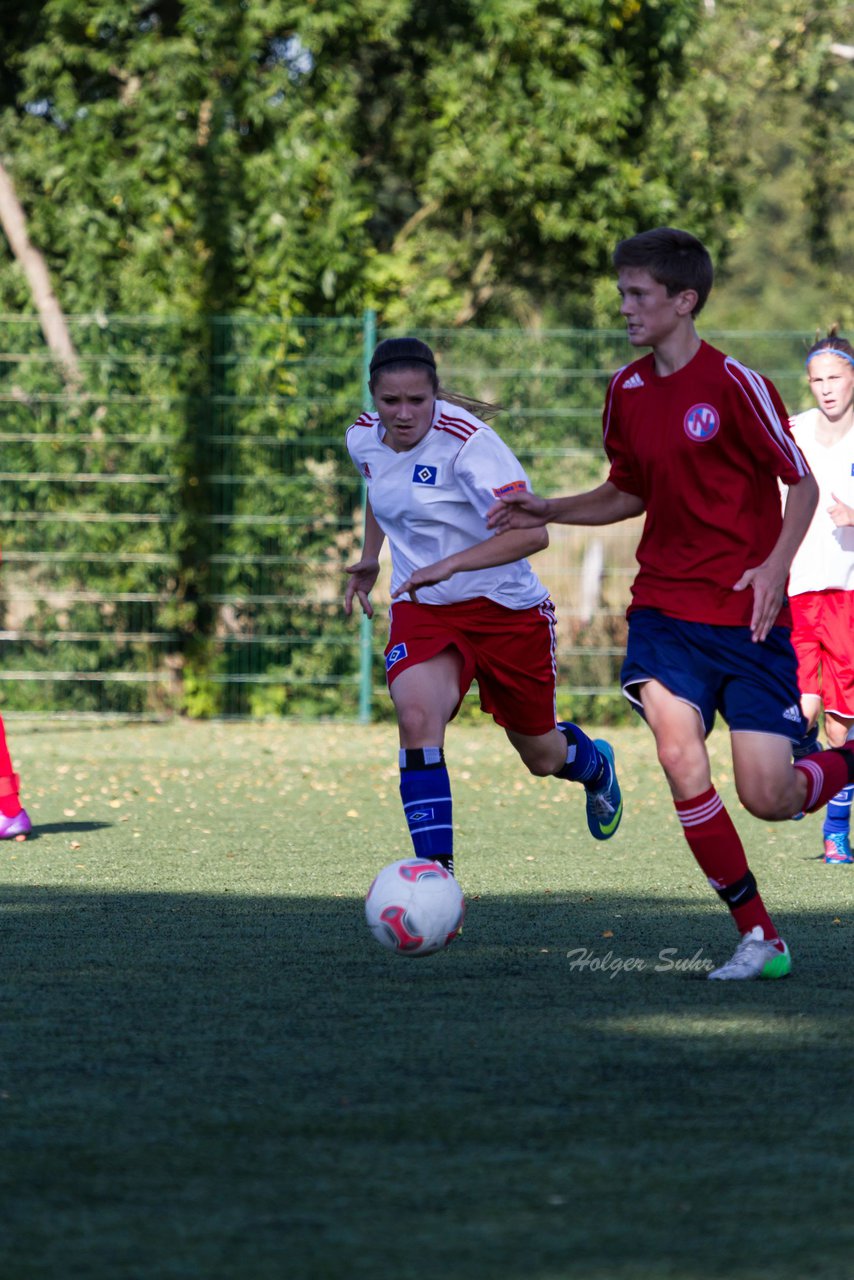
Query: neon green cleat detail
point(756, 957)
point(605, 806)
point(779, 966)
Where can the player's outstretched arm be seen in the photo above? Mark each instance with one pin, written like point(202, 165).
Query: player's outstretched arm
point(517, 544)
point(521, 510)
point(604, 505)
point(364, 573)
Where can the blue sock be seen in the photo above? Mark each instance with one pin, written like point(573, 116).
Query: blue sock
point(425, 790)
point(837, 817)
point(584, 761)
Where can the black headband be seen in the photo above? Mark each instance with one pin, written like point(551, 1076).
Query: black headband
point(379, 364)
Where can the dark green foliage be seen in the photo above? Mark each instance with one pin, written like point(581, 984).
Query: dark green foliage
point(441, 164)
point(228, 170)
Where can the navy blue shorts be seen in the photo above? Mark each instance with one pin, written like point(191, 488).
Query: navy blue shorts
point(716, 668)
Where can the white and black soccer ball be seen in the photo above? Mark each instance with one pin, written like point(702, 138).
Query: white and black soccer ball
point(414, 907)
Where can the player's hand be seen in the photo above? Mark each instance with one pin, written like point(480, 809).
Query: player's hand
point(840, 514)
point(362, 578)
point(769, 592)
point(426, 577)
point(520, 510)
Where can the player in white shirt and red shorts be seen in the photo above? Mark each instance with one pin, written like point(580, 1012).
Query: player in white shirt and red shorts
point(821, 582)
point(698, 442)
point(466, 603)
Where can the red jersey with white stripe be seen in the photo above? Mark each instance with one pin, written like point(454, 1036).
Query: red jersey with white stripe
point(432, 500)
point(704, 448)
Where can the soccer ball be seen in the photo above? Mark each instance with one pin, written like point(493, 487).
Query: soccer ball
point(414, 907)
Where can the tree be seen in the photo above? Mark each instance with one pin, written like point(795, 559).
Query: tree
point(466, 161)
point(768, 119)
point(463, 163)
point(451, 162)
point(497, 146)
point(32, 263)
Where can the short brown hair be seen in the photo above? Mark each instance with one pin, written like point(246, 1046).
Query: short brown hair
point(674, 258)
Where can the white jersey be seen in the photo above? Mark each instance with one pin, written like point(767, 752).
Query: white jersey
point(825, 558)
point(431, 501)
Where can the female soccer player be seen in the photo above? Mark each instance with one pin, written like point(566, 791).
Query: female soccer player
point(698, 442)
point(465, 603)
point(821, 583)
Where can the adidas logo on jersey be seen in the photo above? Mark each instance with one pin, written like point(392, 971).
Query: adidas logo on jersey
point(792, 713)
point(634, 381)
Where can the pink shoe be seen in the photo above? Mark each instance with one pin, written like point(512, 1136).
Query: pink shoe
point(837, 849)
point(20, 825)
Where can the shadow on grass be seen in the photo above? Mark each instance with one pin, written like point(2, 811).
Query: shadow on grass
point(64, 828)
point(251, 1087)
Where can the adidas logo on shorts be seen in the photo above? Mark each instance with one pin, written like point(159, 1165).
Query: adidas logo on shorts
point(792, 713)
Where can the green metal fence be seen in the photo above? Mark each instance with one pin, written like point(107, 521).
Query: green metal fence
point(174, 533)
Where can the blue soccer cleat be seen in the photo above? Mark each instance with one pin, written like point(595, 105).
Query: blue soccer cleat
point(605, 804)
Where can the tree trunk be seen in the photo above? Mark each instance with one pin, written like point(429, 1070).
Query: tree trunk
point(14, 223)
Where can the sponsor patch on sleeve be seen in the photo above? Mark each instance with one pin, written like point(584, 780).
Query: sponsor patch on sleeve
point(515, 486)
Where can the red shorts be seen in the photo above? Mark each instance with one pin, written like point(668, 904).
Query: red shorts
point(823, 638)
point(510, 652)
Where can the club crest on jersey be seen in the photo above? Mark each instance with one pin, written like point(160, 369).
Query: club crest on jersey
point(394, 655)
point(423, 474)
point(515, 486)
point(701, 423)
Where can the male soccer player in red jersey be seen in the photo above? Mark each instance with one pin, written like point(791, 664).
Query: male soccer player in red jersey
point(698, 442)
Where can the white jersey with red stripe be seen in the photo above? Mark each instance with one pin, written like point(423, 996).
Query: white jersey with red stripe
point(825, 559)
point(431, 501)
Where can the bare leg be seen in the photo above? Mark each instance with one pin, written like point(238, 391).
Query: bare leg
point(767, 784)
point(424, 698)
point(679, 740)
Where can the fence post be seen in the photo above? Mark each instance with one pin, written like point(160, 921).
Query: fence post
point(369, 339)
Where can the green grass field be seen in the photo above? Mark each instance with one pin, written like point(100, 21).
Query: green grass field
point(210, 1069)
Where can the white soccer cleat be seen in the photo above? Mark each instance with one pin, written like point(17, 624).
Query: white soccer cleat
point(756, 957)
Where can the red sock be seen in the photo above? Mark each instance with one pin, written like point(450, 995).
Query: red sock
point(717, 846)
point(826, 773)
point(10, 784)
point(10, 805)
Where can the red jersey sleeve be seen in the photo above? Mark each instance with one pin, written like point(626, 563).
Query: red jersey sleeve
point(623, 474)
point(763, 417)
